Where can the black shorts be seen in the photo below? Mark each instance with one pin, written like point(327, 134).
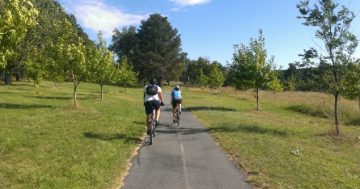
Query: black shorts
point(151, 105)
point(175, 102)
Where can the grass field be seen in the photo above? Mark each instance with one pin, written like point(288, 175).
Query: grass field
point(289, 143)
point(45, 144)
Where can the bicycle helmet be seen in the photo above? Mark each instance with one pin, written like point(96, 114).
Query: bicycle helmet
point(177, 87)
point(153, 81)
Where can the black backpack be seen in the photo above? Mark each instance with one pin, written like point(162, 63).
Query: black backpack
point(152, 90)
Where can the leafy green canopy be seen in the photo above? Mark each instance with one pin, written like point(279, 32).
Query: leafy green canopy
point(250, 66)
point(16, 17)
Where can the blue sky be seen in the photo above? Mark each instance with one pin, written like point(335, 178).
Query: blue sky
point(210, 28)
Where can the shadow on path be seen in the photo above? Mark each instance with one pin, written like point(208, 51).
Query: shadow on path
point(182, 130)
point(111, 137)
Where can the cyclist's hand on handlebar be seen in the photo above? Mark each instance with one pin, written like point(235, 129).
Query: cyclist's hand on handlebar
point(162, 104)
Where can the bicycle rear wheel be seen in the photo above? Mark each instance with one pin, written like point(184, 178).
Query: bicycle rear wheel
point(177, 117)
point(151, 136)
point(152, 129)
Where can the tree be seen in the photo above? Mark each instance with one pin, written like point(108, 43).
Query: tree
point(36, 59)
point(251, 68)
point(158, 49)
point(352, 81)
point(16, 17)
point(291, 83)
point(124, 74)
point(36, 55)
point(71, 55)
point(332, 25)
point(124, 43)
point(202, 79)
point(275, 84)
point(174, 72)
point(103, 64)
point(196, 71)
point(216, 77)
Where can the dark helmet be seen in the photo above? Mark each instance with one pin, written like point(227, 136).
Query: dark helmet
point(152, 81)
point(177, 87)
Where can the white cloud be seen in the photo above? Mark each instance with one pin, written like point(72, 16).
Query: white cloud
point(190, 2)
point(97, 16)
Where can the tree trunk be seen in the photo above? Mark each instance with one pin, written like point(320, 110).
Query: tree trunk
point(337, 124)
point(102, 92)
point(8, 72)
point(18, 76)
point(37, 86)
point(7, 77)
point(274, 96)
point(359, 103)
point(75, 100)
point(257, 99)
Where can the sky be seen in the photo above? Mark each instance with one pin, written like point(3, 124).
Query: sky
point(211, 28)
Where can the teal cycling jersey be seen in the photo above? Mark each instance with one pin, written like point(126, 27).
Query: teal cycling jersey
point(176, 94)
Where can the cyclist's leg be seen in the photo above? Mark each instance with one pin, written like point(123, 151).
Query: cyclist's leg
point(148, 110)
point(173, 110)
point(180, 103)
point(173, 104)
point(156, 104)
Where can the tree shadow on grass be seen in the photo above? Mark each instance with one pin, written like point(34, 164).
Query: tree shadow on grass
point(308, 111)
point(3, 92)
point(23, 106)
point(251, 129)
point(59, 97)
point(139, 123)
point(354, 122)
point(54, 97)
point(204, 108)
point(16, 84)
point(111, 137)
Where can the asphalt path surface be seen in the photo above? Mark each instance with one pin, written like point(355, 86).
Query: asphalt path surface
point(183, 157)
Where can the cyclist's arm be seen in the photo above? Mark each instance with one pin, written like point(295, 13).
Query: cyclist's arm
point(172, 96)
point(161, 97)
point(144, 94)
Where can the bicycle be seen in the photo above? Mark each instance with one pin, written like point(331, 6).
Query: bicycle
point(152, 123)
point(177, 115)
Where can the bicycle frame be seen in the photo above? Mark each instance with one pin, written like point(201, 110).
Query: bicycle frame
point(152, 126)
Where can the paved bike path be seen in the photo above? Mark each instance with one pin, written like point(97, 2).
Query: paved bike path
point(184, 157)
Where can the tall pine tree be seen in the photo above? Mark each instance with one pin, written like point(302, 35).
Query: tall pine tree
point(158, 49)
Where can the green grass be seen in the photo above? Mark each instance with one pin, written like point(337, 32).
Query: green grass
point(289, 143)
point(45, 144)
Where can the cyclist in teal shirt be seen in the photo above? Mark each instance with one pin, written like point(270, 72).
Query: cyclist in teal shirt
point(176, 98)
